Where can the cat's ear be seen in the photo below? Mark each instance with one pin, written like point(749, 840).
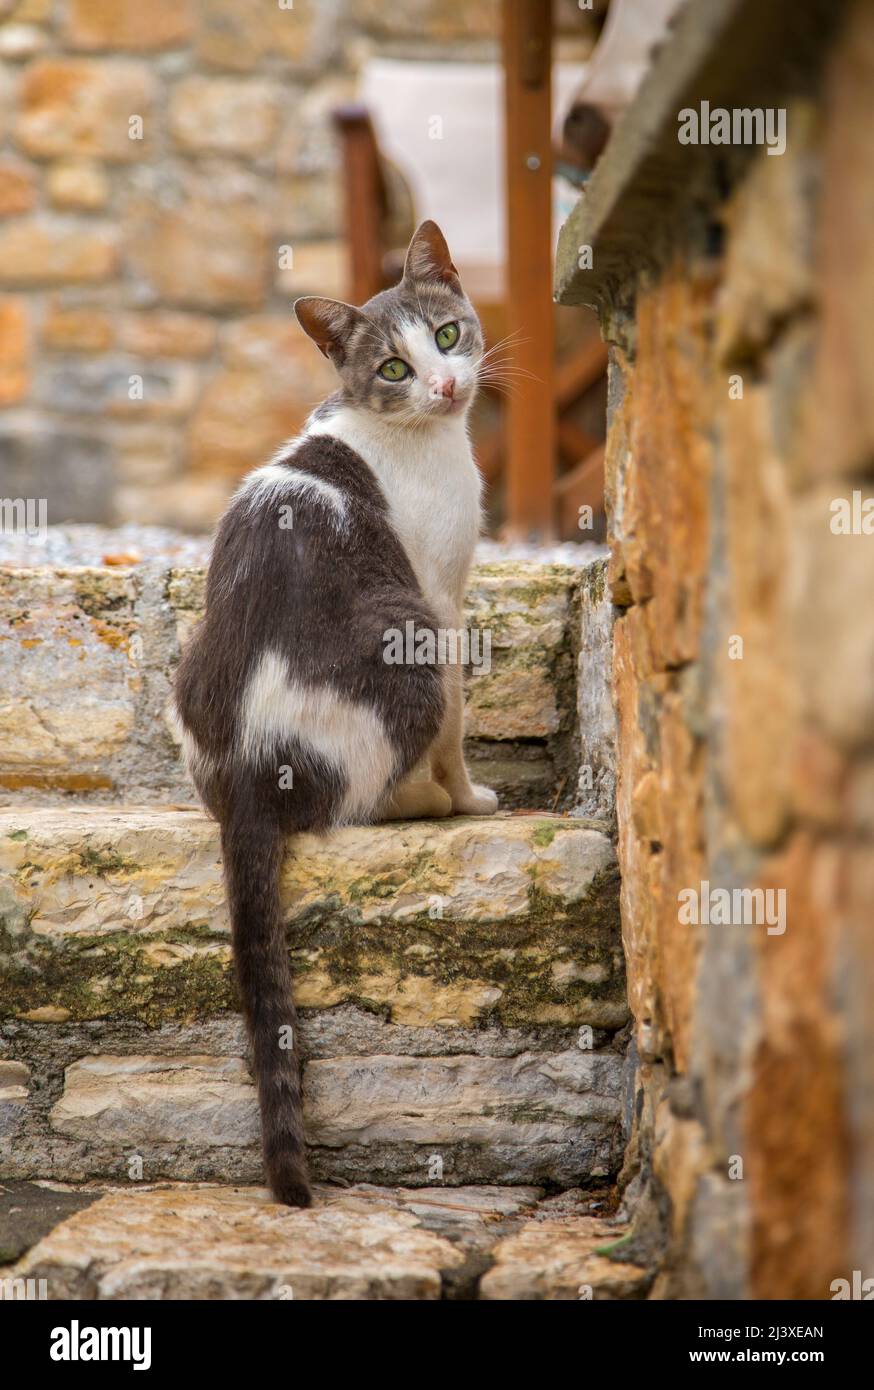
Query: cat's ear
point(329, 322)
point(428, 257)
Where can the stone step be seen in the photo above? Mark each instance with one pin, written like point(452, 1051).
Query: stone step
point(87, 656)
point(461, 986)
point(200, 1242)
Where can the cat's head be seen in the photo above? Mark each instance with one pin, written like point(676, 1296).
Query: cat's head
point(412, 352)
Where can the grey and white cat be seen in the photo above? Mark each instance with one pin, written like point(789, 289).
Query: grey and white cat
point(292, 719)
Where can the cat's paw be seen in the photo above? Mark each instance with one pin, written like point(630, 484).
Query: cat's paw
point(476, 801)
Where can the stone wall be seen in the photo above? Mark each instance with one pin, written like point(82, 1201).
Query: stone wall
point(168, 186)
point(741, 428)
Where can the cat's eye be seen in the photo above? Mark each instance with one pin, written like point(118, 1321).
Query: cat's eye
point(447, 336)
point(394, 370)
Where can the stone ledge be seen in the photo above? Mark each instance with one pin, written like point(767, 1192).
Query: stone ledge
point(563, 1260)
point(119, 913)
point(362, 1243)
point(89, 652)
point(217, 1244)
point(534, 1118)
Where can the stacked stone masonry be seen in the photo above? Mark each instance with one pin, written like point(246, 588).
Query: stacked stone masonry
point(462, 989)
point(461, 983)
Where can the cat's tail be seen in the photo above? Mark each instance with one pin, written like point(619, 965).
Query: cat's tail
point(252, 848)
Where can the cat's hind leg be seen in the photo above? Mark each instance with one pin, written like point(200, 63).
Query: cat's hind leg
point(417, 800)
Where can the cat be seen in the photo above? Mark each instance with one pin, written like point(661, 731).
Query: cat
point(291, 717)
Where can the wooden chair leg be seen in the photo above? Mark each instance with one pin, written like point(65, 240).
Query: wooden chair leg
point(365, 201)
point(527, 49)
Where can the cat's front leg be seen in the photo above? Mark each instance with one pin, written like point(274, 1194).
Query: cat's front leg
point(446, 755)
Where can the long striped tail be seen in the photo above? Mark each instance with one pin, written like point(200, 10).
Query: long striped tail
point(252, 851)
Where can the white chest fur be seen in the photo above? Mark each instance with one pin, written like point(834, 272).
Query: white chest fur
point(433, 490)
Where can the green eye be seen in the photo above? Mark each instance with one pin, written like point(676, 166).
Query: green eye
point(447, 336)
point(394, 370)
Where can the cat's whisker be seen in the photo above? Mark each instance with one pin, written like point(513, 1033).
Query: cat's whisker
point(419, 302)
point(520, 373)
point(507, 370)
point(506, 385)
point(508, 338)
point(498, 363)
point(497, 383)
point(375, 336)
point(512, 340)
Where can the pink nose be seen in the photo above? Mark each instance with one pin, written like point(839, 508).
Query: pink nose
point(447, 388)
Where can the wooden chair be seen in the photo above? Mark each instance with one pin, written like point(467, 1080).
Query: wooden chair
point(562, 469)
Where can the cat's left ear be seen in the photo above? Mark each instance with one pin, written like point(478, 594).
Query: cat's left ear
point(330, 323)
point(428, 258)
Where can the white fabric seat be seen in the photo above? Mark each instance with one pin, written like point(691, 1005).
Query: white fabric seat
point(442, 125)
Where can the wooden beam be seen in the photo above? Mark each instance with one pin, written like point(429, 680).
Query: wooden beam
point(527, 55)
point(579, 370)
point(582, 486)
point(574, 443)
point(364, 192)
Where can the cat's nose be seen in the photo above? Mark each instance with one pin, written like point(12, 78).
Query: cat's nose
point(447, 388)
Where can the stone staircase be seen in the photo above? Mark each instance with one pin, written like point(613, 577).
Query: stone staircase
point(461, 983)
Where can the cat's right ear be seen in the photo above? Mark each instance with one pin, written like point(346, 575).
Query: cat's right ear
point(329, 322)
